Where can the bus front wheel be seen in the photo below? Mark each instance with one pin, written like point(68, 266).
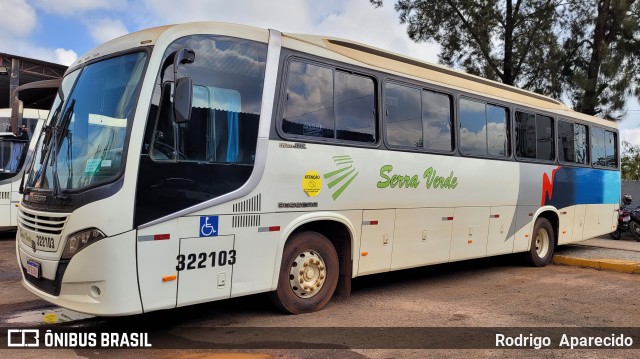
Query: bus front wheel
point(542, 244)
point(308, 274)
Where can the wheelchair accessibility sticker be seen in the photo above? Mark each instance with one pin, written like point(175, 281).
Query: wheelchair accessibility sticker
point(208, 226)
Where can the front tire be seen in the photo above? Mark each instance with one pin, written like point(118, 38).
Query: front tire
point(634, 228)
point(542, 244)
point(615, 234)
point(308, 274)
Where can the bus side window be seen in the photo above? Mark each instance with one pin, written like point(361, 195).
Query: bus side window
point(329, 103)
point(603, 148)
point(534, 136)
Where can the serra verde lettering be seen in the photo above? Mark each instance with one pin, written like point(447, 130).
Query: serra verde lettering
point(432, 180)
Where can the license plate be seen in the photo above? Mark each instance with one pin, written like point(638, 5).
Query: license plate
point(33, 268)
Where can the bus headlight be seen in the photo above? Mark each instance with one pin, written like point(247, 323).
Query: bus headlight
point(80, 240)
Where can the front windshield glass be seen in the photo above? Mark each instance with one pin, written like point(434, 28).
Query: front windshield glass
point(87, 134)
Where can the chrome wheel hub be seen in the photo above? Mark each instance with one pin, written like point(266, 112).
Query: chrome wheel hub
point(542, 243)
point(307, 274)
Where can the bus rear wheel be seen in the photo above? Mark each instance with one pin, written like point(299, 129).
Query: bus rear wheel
point(542, 244)
point(308, 274)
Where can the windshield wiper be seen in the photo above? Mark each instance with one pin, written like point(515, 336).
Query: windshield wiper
point(46, 131)
point(55, 147)
point(54, 136)
point(44, 149)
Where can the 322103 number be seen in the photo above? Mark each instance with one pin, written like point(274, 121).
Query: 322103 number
point(204, 260)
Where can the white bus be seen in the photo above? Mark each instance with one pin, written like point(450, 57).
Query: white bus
point(15, 155)
point(203, 161)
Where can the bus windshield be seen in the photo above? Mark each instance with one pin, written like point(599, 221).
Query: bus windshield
point(87, 130)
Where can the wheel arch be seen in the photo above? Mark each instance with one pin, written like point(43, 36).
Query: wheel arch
point(338, 229)
point(550, 214)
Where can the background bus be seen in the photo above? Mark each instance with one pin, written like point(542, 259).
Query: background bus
point(203, 161)
point(15, 152)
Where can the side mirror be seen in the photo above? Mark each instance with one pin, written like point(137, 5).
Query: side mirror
point(182, 100)
point(16, 117)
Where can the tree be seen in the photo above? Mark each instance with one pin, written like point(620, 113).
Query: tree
point(601, 56)
point(584, 50)
point(630, 161)
point(500, 40)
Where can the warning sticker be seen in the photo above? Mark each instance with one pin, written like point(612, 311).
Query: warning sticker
point(312, 183)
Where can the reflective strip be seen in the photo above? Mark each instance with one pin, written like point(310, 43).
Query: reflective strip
point(369, 223)
point(154, 237)
point(447, 218)
point(269, 229)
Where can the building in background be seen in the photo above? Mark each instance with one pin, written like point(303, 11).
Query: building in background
point(17, 70)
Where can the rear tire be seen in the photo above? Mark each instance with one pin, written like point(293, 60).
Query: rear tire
point(308, 274)
point(634, 228)
point(542, 244)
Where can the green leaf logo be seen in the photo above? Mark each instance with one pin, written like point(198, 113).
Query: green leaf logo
point(342, 177)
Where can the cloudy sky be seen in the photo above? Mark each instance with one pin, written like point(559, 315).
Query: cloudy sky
point(61, 30)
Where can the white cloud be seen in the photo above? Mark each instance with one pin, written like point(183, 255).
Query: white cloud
point(293, 14)
point(349, 19)
point(71, 7)
point(105, 29)
point(379, 27)
point(631, 135)
point(65, 57)
point(17, 18)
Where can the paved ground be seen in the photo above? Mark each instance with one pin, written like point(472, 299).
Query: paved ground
point(494, 292)
point(602, 253)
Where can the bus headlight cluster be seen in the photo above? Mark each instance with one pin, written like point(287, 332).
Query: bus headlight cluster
point(80, 240)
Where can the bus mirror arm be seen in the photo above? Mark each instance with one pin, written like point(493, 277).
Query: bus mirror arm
point(182, 96)
point(182, 56)
point(16, 116)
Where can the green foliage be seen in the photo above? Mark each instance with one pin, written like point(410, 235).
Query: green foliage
point(630, 161)
point(583, 50)
point(601, 56)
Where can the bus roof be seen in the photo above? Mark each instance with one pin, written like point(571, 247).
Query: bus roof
point(355, 53)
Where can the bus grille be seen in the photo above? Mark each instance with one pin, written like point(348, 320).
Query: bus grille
point(50, 224)
point(5, 195)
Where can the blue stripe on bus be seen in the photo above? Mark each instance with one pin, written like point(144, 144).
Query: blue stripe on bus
point(572, 186)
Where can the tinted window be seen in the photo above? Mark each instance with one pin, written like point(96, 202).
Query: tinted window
point(355, 107)
point(544, 138)
point(525, 135)
point(325, 102)
point(473, 134)
point(483, 129)
point(309, 101)
point(534, 136)
point(498, 141)
point(604, 148)
point(437, 121)
point(403, 115)
point(572, 142)
point(610, 148)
